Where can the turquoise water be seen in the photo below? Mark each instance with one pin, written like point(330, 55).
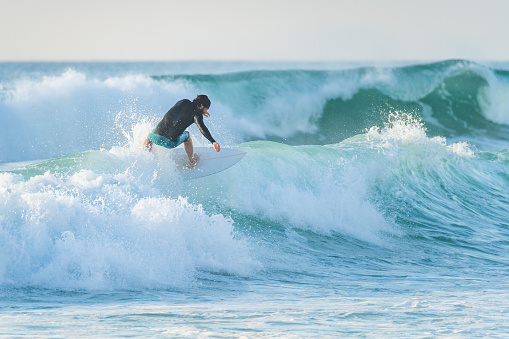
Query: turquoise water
point(373, 202)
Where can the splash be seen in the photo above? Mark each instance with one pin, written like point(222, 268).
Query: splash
point(106, 224)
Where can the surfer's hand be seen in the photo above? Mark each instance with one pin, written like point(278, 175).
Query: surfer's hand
point(216, 146)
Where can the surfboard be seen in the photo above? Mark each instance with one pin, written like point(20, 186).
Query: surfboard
point(9, 166)
point(210, 162)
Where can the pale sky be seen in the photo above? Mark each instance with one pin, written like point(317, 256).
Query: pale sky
point(253, 30)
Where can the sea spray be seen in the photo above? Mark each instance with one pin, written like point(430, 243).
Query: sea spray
point(91, 229)
point(376, 207)
point(429, 183)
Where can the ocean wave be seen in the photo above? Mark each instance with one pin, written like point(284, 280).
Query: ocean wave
point(45, 116)
point(100, 223)
point(454, 98)
point(122, 218)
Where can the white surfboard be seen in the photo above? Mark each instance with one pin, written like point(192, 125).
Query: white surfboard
point(210, 162)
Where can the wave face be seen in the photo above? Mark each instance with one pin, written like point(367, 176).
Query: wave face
point(64, 109)
point(401, 171)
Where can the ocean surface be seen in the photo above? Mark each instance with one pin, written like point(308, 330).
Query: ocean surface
point(373, 202)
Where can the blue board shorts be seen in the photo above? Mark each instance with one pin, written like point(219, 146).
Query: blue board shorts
point(165, 142)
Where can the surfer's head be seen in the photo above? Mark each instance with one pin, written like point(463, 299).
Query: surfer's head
point(202, 99)
point(203, 103)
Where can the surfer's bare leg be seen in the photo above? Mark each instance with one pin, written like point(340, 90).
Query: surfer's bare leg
point(193, 158)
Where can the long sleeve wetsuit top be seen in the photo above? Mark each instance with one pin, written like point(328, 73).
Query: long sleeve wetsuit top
point(180, 117)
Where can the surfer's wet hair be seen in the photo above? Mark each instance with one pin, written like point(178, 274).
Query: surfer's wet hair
point(202, 99)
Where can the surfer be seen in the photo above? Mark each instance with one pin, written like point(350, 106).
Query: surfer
point(171, 130)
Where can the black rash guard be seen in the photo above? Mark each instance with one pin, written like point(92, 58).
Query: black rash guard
point(180, 117)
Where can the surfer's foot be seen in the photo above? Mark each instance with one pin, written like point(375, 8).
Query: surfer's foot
point(147, 145)
point(194, 161)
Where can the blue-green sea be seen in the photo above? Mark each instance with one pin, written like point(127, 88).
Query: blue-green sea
point(373, 201)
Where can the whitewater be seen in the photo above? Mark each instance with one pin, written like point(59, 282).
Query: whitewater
point(373, 201)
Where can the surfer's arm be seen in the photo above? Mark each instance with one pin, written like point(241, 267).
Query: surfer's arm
point(198, 120)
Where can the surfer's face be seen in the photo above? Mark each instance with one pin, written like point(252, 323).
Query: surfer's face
point(204, 110)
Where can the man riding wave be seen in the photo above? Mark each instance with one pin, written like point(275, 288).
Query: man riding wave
point(171, 130)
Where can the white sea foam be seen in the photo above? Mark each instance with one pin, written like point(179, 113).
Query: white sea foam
point(311, 188)
point(110, 229)
point(493, 98)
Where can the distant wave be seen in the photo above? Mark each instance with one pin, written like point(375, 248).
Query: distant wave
point(454, 98)
point(49, 115)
